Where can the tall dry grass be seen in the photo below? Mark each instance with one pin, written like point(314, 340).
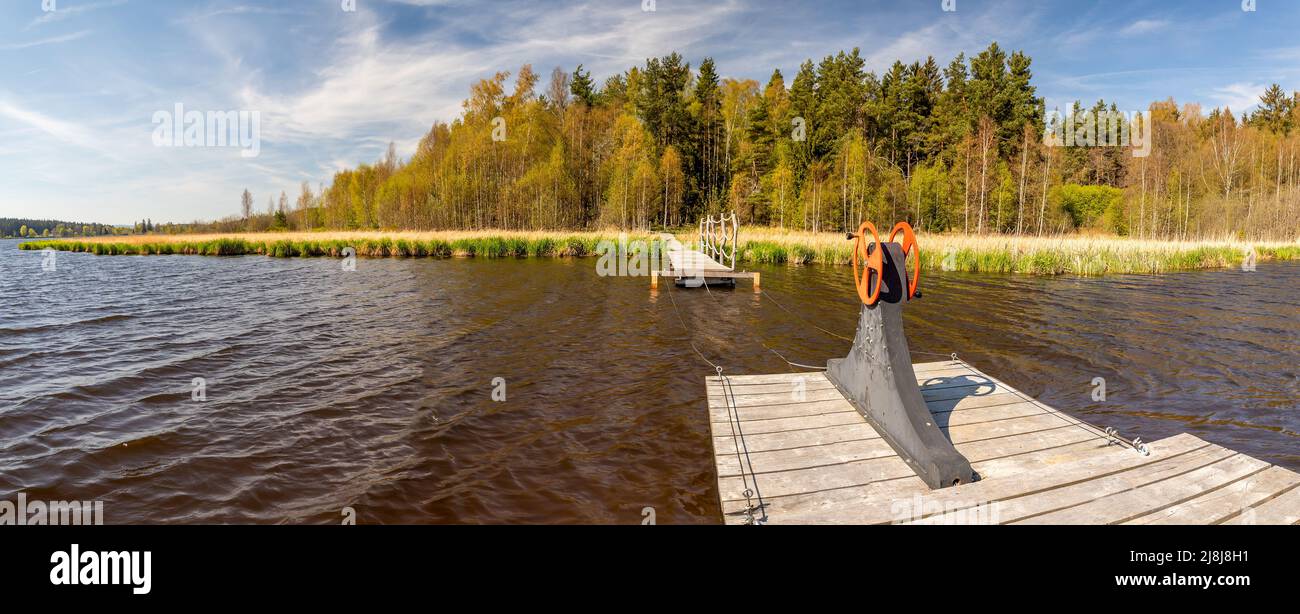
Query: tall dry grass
point(1072, 254)
point(1050, 255)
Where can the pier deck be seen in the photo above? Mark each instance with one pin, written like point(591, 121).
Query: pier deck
point(814, 459)
point(689, 263)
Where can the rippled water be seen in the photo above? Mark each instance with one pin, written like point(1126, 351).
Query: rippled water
point(372, 388)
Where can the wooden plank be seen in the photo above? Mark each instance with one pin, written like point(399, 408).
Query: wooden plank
point(813, 479)
point(1283, 509)
point(877, 504)
point(777, 425)
point(831, 506)
point(708, 274)
point(853, 423)
point(796, 438)
point(790, 459)
point(962, 426)
point(691, 261)
point(1083, 492)
point(789, 392)
point(793, 396)
point(768, 378)
point(924, 367)
point(807, 383)
point(719, 413)
point(1154, 495)
point(856, 473)
point(923, 371)
point(1226, 502)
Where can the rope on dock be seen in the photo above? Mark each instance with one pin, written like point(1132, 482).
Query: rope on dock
point(1109, 433)
point(801, 318)
point(737, 432)
point(793, 364)
point(738, 438)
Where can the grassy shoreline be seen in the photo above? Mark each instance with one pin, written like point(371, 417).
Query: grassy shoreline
point(1077, 255)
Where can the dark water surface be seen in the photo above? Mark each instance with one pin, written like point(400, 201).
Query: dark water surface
point(372, 389)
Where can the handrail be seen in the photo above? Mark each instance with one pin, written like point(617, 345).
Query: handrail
point(717, 238)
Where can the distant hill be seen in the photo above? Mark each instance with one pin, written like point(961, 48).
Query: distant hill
point(17, 227)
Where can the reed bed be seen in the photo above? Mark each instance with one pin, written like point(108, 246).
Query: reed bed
point(470, 244)
point(1071, 254)
point(1053, 255)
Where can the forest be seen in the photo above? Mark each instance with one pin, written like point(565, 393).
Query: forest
point(967, 147)
point(24, 228)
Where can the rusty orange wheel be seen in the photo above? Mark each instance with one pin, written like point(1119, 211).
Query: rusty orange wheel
point(873, 259)
point(910, 246)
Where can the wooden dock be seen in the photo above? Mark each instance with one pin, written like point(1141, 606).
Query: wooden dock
point(714, 260)
point(795, 442)
point(686, 265)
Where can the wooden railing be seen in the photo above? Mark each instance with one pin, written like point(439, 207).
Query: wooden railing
point(718, 238)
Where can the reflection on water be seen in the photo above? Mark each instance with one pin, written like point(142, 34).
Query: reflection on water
point(373, 389)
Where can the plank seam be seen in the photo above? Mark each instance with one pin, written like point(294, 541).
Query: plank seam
point(911, 475)
point(829, 443)
point(1061, 485)
point(1257, 503)
point(1143, 485)
point(1199, 494)
point(933, 413)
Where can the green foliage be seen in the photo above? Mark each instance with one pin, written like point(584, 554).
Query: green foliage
point(1087, 203)
point(21, 228)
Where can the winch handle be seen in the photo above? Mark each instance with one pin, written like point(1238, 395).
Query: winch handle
point(909, 246)
point(872, 260)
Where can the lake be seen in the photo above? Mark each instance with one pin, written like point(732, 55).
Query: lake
point(251, 389)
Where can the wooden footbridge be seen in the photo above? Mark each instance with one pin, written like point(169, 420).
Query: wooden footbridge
point(850, 445)
point(714, 263)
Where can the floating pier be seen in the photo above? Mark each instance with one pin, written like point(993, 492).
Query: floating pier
point(812, 458)
point(876, 439)
point(714, 263)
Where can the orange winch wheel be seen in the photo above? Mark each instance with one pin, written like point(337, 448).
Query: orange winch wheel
point(909, 246)
point(873, 259)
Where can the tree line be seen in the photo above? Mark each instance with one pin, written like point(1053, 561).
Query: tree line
point(960, 147)
point(20, 228)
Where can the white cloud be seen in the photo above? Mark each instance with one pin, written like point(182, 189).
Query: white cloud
point(237, 10)
point(1238, 96)
point(66, 132)
point(53, 40)
point(1144, 26)
point(369, 84)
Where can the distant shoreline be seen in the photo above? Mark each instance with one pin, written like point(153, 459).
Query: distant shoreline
point(1068, 254)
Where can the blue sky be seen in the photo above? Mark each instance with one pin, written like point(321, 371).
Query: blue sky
point(80, 85)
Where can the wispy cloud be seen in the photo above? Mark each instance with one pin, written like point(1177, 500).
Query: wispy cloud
point(53, 40)
point(238, 10)
point(1238, 96)
point(64, 131)
point(1144, 26)
point(67, 12)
